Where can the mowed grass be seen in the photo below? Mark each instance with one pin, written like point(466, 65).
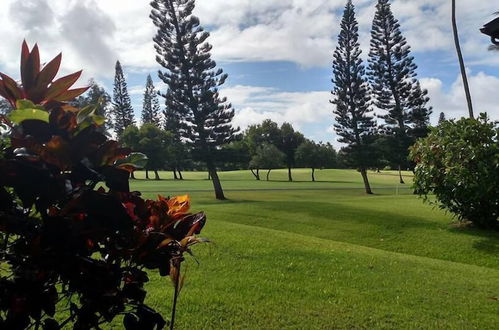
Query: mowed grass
point(324, 255)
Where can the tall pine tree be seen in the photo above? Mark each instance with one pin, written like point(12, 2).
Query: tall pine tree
point(122, 106)
point(193, 81)
point(150, 107)
point(354, 124)
point(396, 90)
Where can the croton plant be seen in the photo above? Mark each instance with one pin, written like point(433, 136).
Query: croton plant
point(75, 242)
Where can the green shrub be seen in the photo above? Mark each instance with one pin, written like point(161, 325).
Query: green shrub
point(459, 163)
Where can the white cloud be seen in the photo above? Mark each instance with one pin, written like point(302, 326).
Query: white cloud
point(453, 102)
point(255, 104)
point(95, 33)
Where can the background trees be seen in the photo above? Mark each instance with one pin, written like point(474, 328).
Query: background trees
point(289, 142)
point(122, 111)
point(150, 107)
point(152, 141)
point(268, 157)
point(315, 155)
point(392, 74)
point(353, 122)
point(193, 82)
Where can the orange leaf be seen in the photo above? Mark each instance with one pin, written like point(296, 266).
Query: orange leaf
point(178, 206)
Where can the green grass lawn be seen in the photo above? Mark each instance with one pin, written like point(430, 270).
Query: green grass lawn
point(323, 255)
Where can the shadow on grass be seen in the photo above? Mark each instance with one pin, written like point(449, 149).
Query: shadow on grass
point(489, 242)
point(320, 215)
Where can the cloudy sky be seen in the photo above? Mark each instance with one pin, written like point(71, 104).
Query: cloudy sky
point(277, 52)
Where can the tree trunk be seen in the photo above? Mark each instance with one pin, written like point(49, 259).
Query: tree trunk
point(156, 175)
point(290, 178)
point(256, 173)
point(367, 186)
point(313, 174)
point(212, 171)
point(209, 174)
point(461, 60)
point(175, 174)
point(400, 175)
point(268, 174)
point(132, 175)
point(180, 175)
point(147, 174)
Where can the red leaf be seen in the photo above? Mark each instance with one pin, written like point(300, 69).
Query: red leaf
point(49, 72)
point(4, 93)
point(12, 87)
point(31, 69)
point(24, 54)
point(62, 85)
point(71, 94)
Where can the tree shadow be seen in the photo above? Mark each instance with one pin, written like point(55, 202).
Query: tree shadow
point(489, 242)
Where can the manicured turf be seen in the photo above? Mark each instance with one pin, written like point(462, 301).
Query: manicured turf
point(324, 255)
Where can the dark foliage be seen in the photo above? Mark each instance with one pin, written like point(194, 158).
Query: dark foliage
point(71, 249)
point(193, 82)
point(354, 124)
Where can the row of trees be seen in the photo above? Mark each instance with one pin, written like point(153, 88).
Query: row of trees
point(195, 126)
point(388, 86)
point(263, 146)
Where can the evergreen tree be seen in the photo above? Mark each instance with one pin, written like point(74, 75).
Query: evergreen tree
point(392, 73)
point(150, 108)
point(122, 106)
point(420, 114)
point(353, 122)
point(193, 82)
point(441, 118)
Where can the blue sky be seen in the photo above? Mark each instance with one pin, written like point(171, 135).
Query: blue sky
point(277, 52)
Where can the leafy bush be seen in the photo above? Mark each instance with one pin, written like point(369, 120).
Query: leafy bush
point(68, 246)
point(459, 163)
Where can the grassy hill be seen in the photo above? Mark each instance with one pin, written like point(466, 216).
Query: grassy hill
point(324, 255)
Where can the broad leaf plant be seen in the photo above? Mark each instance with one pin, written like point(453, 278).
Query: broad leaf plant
point(75, 242)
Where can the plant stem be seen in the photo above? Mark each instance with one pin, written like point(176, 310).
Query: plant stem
point(175, 297)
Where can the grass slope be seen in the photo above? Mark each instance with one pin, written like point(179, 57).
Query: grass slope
point(320, 256)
